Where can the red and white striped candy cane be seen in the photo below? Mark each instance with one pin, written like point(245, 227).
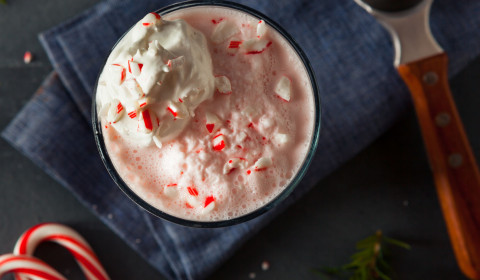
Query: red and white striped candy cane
point(28, 266)
point(66, 237)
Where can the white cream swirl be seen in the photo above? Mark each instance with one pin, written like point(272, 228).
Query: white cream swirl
point(153, 80)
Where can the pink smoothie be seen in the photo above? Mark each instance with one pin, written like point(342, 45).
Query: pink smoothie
point(251, 144)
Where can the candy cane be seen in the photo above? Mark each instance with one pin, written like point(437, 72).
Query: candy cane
point(28, 266)
point(66, 237)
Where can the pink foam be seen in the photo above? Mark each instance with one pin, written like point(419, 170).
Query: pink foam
point(252, 118)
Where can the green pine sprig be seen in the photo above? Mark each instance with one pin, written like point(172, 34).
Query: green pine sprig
point(368, 263)
point(3, 2)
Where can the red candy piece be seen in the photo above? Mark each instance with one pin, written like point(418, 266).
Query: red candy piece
point(132, 114)
point(157, 16)
point(119, 107)
point(124, 73)
point(217, 21)
point(234, 44)
point(175, 114)
point(147, 120)
point(148, 20)
point(218, 144)
point(209, 200)
point(256, 47)
point(27, 57)
point(192, 191)
point(210, 127)
point(137, 67)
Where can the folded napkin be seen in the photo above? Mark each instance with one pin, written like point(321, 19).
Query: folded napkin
point(361, 97)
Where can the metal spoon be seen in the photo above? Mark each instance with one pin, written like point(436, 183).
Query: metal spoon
point(422, 64)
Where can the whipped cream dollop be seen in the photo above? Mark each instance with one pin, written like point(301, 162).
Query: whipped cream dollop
point(153, 80)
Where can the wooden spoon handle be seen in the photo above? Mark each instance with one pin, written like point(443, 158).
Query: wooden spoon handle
point(455, 171)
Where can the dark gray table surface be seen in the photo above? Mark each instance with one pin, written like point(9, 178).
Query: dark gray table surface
point(388, 186)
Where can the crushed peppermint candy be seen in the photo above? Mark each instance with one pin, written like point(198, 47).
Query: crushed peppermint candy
point(262, 163)
point(209, 200)
point(217, 21)
point(265, 265)
point(192, 199)
point(283, 88)
point(117, 74)
point(234, 163)
point(115, 111)
point(157, 140)
point(144, 101)
point(157, 16)
point(219, 142)
point(192, 191)
point(151, 19)
point(224, 30)
point(178, 110)
point(209, 204)
point(132, 114)
point(261, 29)
point(27, 57)
point(170, 190)
point(147, 120)
point(135, 68)
point(173, 64)
point(213, 122)
point(223, 85)
point(255, 46)
point(234, 44)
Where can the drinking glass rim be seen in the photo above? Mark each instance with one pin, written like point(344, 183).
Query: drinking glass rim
point(97, 130)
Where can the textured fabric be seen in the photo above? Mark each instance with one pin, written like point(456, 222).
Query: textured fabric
point(361, 97)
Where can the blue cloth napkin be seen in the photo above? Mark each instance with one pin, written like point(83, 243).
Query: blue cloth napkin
point(360, 91)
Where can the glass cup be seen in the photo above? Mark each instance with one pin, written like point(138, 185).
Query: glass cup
point(100, 142)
